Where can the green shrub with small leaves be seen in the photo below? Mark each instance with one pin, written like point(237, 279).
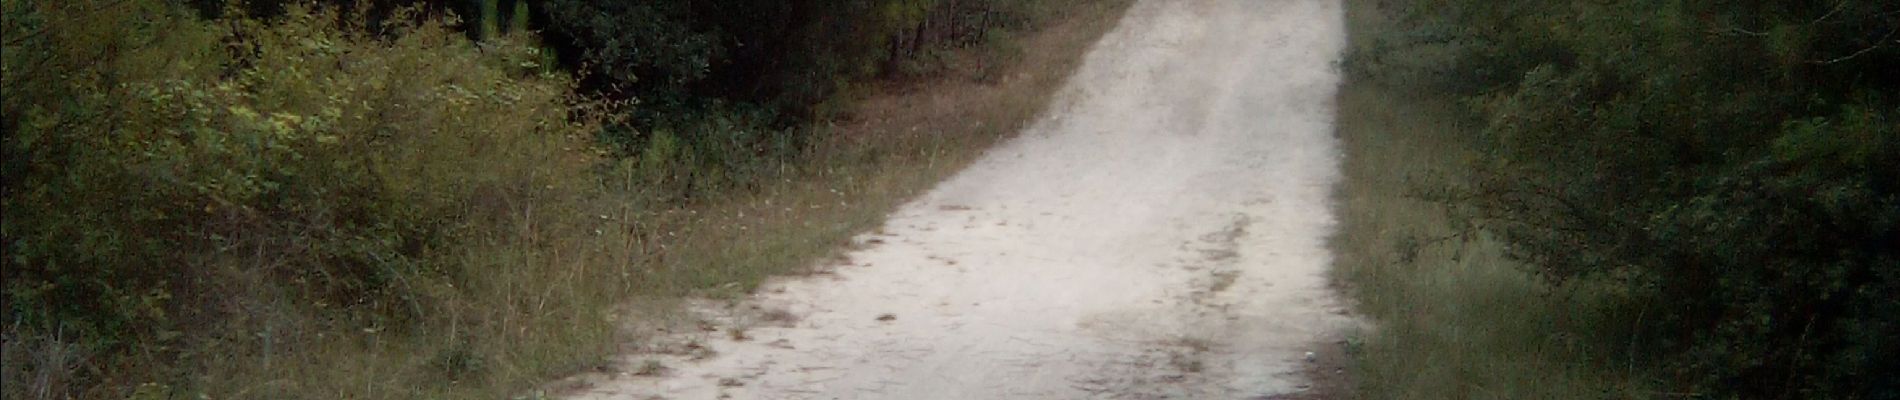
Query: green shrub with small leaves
point(1733, 161)
point(157, 165)
point(709, 72)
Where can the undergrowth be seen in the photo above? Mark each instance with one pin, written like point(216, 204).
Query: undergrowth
point(1451, 316)
point(297, 209)
point(1697, 197)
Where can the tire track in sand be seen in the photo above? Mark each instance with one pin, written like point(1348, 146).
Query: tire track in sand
point(1160, 233)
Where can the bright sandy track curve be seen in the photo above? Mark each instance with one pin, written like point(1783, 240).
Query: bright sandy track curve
point(1159, 233)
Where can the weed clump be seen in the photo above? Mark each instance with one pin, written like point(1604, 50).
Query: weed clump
point(202, 191)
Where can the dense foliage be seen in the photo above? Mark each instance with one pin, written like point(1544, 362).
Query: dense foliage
point(724, 89)
point(787, 55)
point(197, 191)
point(1738, 162)
point(166, 175)
point(724, 78)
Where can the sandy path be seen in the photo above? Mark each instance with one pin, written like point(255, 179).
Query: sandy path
point(1160, 234)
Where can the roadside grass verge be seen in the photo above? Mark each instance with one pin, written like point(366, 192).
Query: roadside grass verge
point(1451, 316)
point(897, 140)
point(566, 285)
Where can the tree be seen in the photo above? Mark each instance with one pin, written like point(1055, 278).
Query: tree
point(1733, 161)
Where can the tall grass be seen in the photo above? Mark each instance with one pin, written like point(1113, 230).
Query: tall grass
point(544, 254)
point(1452, 318)
point(569, 309)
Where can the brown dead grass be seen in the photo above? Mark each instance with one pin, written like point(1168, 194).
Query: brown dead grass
point(896, 139)
point(556, 301)
point(586, 291)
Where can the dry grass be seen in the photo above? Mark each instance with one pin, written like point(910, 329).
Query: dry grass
point(899, 140)
point(1453, 318)
point(561, 291)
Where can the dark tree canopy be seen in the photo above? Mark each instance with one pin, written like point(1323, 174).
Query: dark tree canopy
point(1736, 161)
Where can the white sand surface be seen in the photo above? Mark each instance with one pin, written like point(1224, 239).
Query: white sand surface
point(1160, 233)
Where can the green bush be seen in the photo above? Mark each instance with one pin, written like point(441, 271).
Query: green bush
point(686, 59)
point(1733, 161)
point(158, 165)
point(359, 202)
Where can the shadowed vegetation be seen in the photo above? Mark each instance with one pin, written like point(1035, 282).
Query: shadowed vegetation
point(1698, 198)
point(288, 201)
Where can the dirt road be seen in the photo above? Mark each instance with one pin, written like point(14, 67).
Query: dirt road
point(1159, 234)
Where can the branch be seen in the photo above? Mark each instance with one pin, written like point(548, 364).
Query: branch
point(1735, 30)
point(1830, 14)
point(1877, 45)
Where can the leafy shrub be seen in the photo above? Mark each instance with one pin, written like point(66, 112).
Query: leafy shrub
point(685, 59)
point(158, 164)
point(1734, 161)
